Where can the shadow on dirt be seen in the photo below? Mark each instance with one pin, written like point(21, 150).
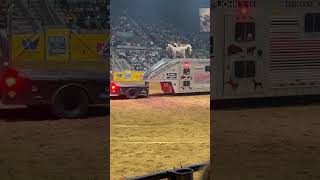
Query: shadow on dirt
point(124, 98)
point(261, 103)
point(43, 114)
point(182, 94)
point(161, 95)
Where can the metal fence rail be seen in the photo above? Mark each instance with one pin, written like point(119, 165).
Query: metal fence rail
point(183, 173)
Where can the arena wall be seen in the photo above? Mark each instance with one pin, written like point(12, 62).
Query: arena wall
point(58, 48)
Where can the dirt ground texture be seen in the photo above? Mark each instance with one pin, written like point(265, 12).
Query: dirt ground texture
point(158, 133)
point(281, 143)
point(34, 146)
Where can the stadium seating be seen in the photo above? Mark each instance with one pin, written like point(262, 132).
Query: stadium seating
point(143, 44)
point(31, 15)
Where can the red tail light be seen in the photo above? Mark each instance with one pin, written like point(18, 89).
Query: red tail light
point(186, 65)
point(9, 82)
point(9, 77)
point(114, 88)
point(14, 87)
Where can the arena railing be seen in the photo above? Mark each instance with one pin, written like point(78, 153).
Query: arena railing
point(183, 173)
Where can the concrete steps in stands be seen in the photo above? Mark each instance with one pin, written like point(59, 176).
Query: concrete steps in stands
point(44, 10)
point(22, 17)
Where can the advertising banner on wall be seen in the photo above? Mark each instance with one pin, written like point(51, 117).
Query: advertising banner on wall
point(27, 47)
point(57, 44)
point(87, 47)
point(128, 76)
point(59, 48)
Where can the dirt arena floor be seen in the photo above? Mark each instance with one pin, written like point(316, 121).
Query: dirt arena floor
point(158, 133)
point(278, 143)
point(34, 146)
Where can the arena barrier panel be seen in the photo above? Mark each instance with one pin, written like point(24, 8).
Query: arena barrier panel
point(87, 47)
point(27, 47)
point(128, 75)
point(137, 75)
point(59, 47)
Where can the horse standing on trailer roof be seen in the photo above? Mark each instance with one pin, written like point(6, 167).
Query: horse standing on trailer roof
point(176, 50)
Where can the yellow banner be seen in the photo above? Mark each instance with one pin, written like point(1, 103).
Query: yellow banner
point(137, 76)
point(59, 48)
point(128, 76)
point(118, 76)
point(87, 47)
point(27, 47)
point(58, 44)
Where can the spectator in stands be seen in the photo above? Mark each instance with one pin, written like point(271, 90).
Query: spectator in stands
point(87, 22)
point(65, 4)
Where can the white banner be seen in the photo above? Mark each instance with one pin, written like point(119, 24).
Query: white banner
point(204, 14)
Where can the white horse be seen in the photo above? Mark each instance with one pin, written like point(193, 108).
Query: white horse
point(181, 50)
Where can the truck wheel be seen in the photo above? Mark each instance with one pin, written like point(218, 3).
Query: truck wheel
point(71, 102)
point(132, 94)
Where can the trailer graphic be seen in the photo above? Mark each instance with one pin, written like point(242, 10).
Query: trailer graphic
point(271, 49)
point(178, 76)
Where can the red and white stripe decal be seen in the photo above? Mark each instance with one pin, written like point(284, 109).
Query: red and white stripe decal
point(291, 54)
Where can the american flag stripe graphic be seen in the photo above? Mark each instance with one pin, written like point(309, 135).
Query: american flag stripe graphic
point(294, 58)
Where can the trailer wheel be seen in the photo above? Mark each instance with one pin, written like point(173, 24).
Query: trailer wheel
point(70, 102)
point(131, 94)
